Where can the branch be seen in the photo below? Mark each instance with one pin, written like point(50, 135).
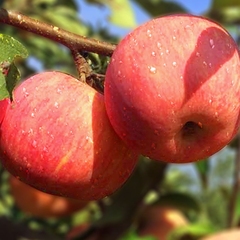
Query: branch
point(68, 39)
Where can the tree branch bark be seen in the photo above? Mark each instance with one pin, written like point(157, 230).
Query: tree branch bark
point(68, 39)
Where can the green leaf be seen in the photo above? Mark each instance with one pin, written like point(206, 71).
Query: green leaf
point(225, 11)
point(65, 18)
point(192, 231)
point(181, 201)
point(202, 166)
point(10, 49)
point(159, 7)
point(221, 4)
point(122, 13)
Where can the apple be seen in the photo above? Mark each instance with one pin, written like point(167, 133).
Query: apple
point(172, 88)
point(159, 221)
point(231, 234)
point(76, 231)
point(56, 137)
point(42, 205)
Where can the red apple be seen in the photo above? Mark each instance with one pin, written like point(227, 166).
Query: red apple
point(56, 137)
point(40, 204)
point(172, 88)
point(76, 231)
point(159, 221)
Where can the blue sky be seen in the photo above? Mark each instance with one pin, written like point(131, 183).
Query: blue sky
point(97, 16)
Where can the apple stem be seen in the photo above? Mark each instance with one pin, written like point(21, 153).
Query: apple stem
point(68, 39)
point(83, 68)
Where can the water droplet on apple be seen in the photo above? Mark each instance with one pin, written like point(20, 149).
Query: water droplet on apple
point(89, 139)
point(210, 101)
point(149, 33)
point(181, 77)
point(159, 45)
point(56, 104)
point(25, 92)
point(153, 54)
point(187, 27)
point(211, 42)
point(197, 54)
point(167, 51)
point(32, 114)
point(119, 73)
point(174, 64)
point(164, 64)
point(174, 38)
point(153, 146)
point(45, 149)
point(30, 131)
point(152, 69)
point(204, 63)
point(59, 91)
point(34, 143)
point(210, 64)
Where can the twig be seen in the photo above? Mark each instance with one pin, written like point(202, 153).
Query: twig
point(235, 188)
point(68, 39)
point(83, 68)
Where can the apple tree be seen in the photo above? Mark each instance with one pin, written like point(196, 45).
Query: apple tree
point(62, 99)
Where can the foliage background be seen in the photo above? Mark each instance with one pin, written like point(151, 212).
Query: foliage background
point(207, 192)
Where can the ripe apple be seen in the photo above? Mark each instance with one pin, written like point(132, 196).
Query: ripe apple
point(172, 88)
point(159, 221)
point(231, 234)
point(80, 229)
point(40, 204)
point(56, 137)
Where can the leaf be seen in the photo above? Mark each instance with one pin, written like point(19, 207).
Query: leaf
point(10, 49)
point(159, 7)
point(225, 11)
point(192, 231)
point(221, 4)
point(182, 201)
point(122, 13)
point(65, 18)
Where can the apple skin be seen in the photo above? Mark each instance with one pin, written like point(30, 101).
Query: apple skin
point(159, 221)
point(76, 231)
point(42, 205)
point(172, 88)
point(56, 137)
